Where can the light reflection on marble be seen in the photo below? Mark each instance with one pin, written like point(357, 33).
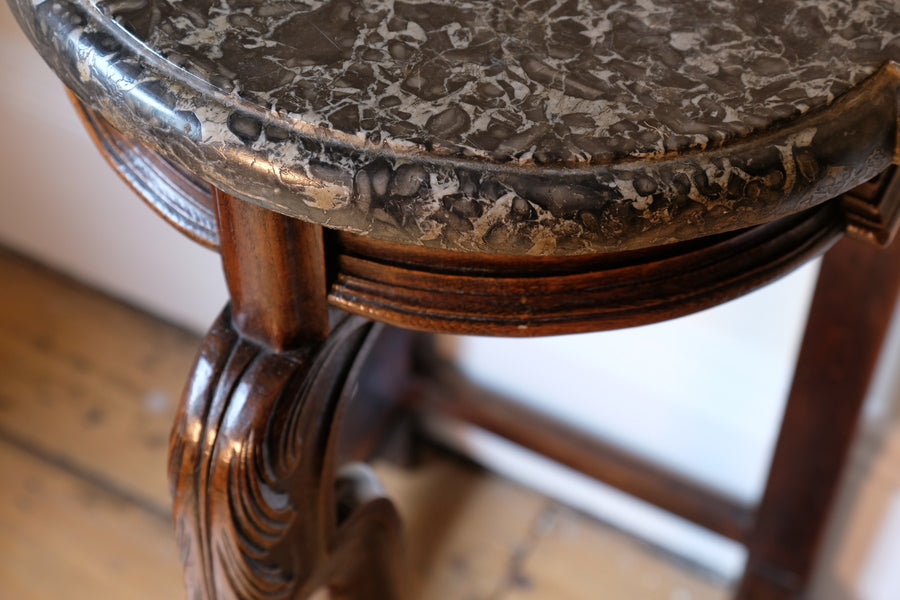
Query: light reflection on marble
point(543, 126)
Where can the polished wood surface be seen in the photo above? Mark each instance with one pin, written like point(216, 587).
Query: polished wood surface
point(85, 509)
point(445, 392)
point(179, 197)
point(264, 504)
point(854, 303)
point(496, 294)
point(262, 508)
point(482, 294)
point(284, 273)
point(275, 270)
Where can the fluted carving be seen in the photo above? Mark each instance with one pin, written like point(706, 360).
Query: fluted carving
point(262, 510)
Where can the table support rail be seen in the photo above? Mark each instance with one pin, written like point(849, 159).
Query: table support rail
point(447, 393)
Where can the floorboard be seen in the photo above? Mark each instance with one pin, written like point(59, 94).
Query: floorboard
point(88, 388)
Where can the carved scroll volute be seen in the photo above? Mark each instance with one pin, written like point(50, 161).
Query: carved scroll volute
point(255, 502)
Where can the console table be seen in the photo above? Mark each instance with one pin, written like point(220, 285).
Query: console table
point(373, 169)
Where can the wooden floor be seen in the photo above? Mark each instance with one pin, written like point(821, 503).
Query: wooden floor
point(88, 389)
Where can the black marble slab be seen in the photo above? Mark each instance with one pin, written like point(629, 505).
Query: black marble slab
point(541, 127)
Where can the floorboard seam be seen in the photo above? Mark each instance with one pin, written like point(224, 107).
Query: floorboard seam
point(70, 467)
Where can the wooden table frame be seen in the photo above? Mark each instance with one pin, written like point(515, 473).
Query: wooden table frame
point(296, 385)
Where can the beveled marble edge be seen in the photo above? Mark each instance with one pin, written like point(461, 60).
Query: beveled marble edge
point(457, 204)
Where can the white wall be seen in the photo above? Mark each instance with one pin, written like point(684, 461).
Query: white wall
point(675, 392)
point(702, 395)
point(63, 205)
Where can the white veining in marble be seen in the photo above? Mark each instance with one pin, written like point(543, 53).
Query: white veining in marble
point(540, 126)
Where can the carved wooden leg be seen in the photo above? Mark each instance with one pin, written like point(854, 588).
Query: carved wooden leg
point(368, 538)
point(263, 509)
point(253, 473)
point(854, 300)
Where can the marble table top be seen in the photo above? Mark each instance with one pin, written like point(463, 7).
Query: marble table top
point(506, 126)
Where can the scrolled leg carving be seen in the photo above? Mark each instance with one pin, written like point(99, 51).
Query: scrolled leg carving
point(261, 510)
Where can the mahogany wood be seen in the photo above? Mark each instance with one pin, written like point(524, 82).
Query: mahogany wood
point(275, 269)
point(434, 290)
point(265, 503)
point(177, 195)
point(855, 299)
point(872, 209)
point(268, 499)
point(450, 292)
point(255, 478)
point(445, 392)
point(376, 420)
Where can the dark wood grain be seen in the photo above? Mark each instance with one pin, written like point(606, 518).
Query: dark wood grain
point(436, 290)
point(178, 196)
point(854, 302)
point(446, 393)
point(255, 478)
point(496, 294)
point(269, 500)
point(268, 503)
point(873, 209)
point(275, 269)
